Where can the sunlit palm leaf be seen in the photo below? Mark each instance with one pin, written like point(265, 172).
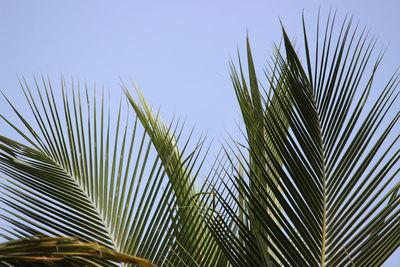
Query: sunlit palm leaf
point(194, 245)
point(90, 173)
point(331, 181)
point(256, 104)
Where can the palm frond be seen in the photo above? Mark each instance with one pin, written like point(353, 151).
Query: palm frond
point(326, 191)
point(89, 172)
point(60, 251)
point(194, 245)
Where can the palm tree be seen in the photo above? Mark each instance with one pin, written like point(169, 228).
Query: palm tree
point(315, 183)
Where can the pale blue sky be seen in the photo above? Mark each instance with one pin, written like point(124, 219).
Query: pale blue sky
point(177, 52)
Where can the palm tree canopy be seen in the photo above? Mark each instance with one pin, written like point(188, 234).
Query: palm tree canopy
point(315, 183)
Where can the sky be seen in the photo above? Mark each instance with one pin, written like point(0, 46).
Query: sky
point(177, 52)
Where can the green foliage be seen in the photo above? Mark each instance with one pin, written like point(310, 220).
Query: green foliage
point(314, 184)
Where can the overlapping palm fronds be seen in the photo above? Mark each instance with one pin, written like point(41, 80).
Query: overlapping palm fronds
point(316, 182)
point(323, 192)
point(194, 244)
point(93, 173)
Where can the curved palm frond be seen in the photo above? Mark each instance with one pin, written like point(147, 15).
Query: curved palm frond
point(88, 176)
point(323, 192)
point(194, 244)
point(60, 251)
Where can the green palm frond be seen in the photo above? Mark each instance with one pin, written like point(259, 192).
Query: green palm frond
point(194, 245)
point(324, 191)
point(91, 173)
point(255, 107)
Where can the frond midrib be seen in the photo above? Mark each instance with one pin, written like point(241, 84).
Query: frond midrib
point(321, 145)
point(89, 199)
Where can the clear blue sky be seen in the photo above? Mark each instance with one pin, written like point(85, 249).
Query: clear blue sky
point(177, 52)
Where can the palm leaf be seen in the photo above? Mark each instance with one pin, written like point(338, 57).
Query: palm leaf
point(60, 251)
point(255, 109)
point(194, 244)
point(326, 191)
point(84, 174)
